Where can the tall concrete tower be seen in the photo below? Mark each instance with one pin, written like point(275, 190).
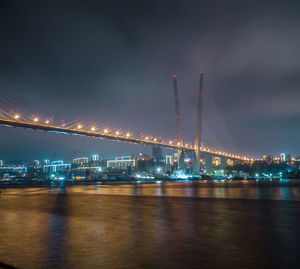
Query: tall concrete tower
point(178, 124)
point(177, 113)
point(198, 138)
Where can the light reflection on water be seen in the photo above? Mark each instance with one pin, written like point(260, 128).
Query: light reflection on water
point(251, 225)
point(275, 190)
point(286, 190)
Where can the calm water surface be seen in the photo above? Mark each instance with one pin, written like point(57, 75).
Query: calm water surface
point(173, 225)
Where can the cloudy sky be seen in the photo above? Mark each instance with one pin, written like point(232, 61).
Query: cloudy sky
point(111, 63)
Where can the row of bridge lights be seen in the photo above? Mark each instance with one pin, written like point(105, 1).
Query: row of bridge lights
point(17, 117)
point(93, 129)
point(79, 126)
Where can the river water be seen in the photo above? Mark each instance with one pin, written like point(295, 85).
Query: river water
point(165, 225)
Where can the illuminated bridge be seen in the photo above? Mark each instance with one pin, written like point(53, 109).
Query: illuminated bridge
point(196, 150)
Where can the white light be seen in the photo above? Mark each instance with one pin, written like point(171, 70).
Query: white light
point(128, 134)
point(178, 144)
point(117, 132)
point(35, 119)
point(46, 121)
point(170, 142)
point(154, 139)
point(17, 116)
point(105, 130)
point(186, 145)
point(79, 126)
point(93, 129)
point(146, 137)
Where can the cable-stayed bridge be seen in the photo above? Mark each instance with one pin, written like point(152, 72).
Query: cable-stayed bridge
point(201, 155)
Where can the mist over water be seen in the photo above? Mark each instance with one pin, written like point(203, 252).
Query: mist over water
point(175, 225)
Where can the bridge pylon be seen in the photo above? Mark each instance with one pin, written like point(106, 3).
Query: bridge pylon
point(178, 124)
point(198, 138)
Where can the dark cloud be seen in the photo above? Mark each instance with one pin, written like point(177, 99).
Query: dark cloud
point(111, 62)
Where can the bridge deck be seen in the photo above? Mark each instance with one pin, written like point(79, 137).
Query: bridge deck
point(120, 138)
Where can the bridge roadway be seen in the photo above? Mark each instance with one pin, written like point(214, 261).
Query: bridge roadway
point(110, 136)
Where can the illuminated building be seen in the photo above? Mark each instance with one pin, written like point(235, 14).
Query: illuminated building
point(124, 158)
point(268, 158)
point(94, 169)
point(276, 160)
point(13, 169)
point(1, 163)
point(36, 162)
point(216, 161)
point(297, 159)
point(144, 157)
point(81, 160)
point(168, 159)
point(57, 162)
point(56, 166)
point(285, 157)
point(171, 159)
point(230, 162)
point(122, 162)
point(95, 157)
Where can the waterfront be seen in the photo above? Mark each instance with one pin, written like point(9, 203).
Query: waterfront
point(170, 225)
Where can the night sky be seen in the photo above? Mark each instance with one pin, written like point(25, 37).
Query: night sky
point(111, 63)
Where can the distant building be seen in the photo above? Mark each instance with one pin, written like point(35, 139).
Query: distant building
point(168, 159)
point(123, 158)
point(297, 159)
point(46, 161)
point(57, 162)
point(230, 162)
point(276, 160)
point(121, 162)
point(216, 161)
point(171, 159)
point(143, 165)
point(144, 157)
point(13, 169)
point(156, 152)
point(285, 157)
point(95, 157)
point(268, 158)
point(1, 163)
point(36, 163)
point(81, 160)
point(56, 167)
